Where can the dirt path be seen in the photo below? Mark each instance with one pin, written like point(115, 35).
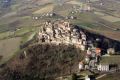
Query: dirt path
point(101, 76)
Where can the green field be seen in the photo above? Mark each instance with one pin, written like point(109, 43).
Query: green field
point(111, 59)
point(47, 9)
point(111, 18)
point(8, 47)
point(10, 41)
point(112, 76)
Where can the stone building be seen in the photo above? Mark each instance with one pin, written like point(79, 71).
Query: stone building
point(81, 65)
point(63, 32)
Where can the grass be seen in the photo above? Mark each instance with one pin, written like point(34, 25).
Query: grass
point(111, 18)
point(63, 10)
point(21, 31)
point(10, 41)
point(99, 13)
point(118, 23)
point(28, 37)
point(61, 56)
point(24, 30)
point(8, 47)
point(5, 35)
point(3, 28)
point(48, 8)
point(114, 76)
point(111, 59)
point(75, 3)
point(89, 22)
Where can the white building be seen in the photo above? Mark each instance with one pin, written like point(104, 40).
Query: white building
point(62, 32)
point(81, 65)
point(35, 18)
point(89, 52)
point(87, 59)
point(87, 78)
point(111, 51)
point(103, 67)
point(82, 47)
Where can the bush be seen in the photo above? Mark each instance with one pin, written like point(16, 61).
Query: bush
point(74, 76)
point(46, 61)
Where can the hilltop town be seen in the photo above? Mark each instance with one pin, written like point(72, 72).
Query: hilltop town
point(59, 39)
point(63, 32)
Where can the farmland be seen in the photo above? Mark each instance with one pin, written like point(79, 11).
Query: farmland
point(110, 59)
point(8, 48)
point(19, 26)
point(74, 2)
point(111, 18)
point(47, 9)
point(112, 76)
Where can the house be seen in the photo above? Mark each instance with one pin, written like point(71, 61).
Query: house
point(87, 59)
point(90, 77)
point(90, 43)
point(87, 78)
point(62, 32)
point(83, 37)
point(89, 52)
point(80, 41)
point(82, 47)
point(25, 53)
point(72, 17)
point(103, 67)
point(98, 51)
point(111, 51)
point(49, 30)
point(84, 42)
point(35, 18)
point(81, 65)
point(93, 55)
point(66, 17)
point(52, 14)
point(92, 63)
point(68, 39)
point(87, 67)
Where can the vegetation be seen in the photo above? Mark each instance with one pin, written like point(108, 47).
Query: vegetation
point(8, 47)
point(43, 61)
point(112, 76)
point(113, 59)
point(47, 9)
point(74, 76)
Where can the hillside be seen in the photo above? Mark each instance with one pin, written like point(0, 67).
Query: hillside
point(104, 19)
point(43, 61)
point(51, 37)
